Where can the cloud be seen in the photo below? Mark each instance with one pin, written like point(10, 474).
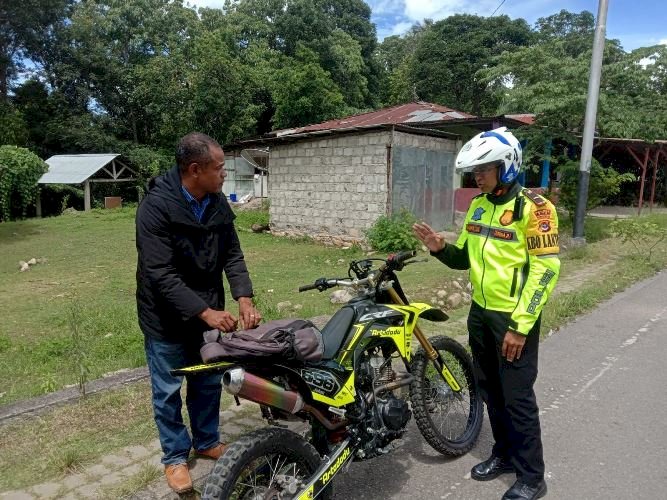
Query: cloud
point(400, 28)
point(663, 41)
point(216, 4)
point(386, 7)
point(417, 10)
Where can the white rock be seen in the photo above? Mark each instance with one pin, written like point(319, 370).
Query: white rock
point(441, 294)
point(424, 248)
point(469, 286)
point(22, 263)
point(297, 307)
point(341, 297)
point(281, 306)
point(341, 261)
point(24, 267)
point(455, 300)
point(32, 261)
point(457, 285)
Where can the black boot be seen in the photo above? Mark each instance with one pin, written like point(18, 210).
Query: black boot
point(491, 468)
point(523, 491)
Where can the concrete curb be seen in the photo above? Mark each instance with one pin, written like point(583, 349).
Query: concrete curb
point(39, 404)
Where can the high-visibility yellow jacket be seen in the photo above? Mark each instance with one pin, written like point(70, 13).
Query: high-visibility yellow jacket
point(510, 245)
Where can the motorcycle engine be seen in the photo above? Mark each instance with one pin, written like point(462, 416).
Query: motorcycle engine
point(395, 412)
point(386, 414)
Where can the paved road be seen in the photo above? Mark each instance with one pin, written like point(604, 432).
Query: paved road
point(601, 390)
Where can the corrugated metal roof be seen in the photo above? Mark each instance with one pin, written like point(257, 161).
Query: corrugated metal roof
point(527, 118)
point(74, 169)
point(414, 112)
point(293, 137)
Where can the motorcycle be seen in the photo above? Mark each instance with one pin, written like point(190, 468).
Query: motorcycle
point(354, 398)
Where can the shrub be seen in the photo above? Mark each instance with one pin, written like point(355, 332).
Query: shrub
point(20, 170)
point(604, 183)
point(394, 233)
point(644, 236)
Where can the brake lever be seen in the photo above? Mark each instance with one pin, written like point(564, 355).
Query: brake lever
point(415, 261)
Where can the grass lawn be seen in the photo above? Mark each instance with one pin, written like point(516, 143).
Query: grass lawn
point(76, 313)
point(88, 281)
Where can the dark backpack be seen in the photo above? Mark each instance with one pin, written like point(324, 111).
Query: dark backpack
point(285, 339)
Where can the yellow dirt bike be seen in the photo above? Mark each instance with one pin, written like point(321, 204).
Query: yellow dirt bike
point(353, 398)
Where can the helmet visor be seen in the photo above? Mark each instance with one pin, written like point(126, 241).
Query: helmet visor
point(481, 169)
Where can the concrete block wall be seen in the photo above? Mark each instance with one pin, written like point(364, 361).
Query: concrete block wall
point(330, 189)
point(425, 142)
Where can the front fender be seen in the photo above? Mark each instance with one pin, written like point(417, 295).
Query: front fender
point(421, 310)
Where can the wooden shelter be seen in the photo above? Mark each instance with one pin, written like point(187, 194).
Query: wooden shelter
point(647, 156)
point(85, 169)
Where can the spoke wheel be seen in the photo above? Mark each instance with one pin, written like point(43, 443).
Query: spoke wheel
point(449, 421)
point(268, 464)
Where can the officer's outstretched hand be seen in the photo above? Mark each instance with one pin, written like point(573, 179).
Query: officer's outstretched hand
point(433, 241)
point(513, 345)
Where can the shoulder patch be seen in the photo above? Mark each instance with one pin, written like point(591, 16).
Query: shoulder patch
point(534, 197)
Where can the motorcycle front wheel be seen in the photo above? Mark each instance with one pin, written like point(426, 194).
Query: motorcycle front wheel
point(268, 464)
point(449, 421)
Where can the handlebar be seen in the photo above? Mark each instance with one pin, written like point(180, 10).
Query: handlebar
point(394, 262)
point(397, 261)
point(322, 284)
point(305, 288)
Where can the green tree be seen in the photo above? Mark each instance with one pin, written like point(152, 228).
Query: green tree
point(395, 57)
point(23, 26)
point(339, 31)
point(604, 183)
point(38, 109)
point(451, 52)
point(110, 40)
point(340, 55)
point(305, 93)
point(20, 170)
point(575, 29)
point(13, 127)
point(631, 103)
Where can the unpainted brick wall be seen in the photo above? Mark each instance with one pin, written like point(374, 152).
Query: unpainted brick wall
point(336, 185)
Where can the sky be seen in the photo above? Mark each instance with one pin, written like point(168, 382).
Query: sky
point(636, 23)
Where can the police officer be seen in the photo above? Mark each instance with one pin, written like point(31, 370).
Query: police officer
point(510, 245)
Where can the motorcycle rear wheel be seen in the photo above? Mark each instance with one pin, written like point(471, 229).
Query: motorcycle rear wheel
point(258, 464)
point(450, 422)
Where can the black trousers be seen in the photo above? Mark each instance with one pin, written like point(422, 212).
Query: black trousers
point(507, 390)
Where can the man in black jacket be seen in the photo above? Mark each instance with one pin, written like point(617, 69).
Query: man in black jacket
point(185, 240)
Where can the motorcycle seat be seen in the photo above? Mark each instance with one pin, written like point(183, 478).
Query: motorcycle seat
point(336, 330)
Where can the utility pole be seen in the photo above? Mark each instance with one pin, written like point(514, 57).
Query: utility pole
point(589, 122)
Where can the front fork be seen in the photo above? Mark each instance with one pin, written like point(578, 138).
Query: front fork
point(431, 353)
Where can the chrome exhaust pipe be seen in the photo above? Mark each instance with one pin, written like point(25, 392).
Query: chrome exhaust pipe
point(238, 382)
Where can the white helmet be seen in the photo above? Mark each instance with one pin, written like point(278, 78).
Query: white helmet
point(494, 146)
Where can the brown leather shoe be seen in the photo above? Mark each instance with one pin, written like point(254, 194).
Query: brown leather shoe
point(178, 477)
point(214, 452)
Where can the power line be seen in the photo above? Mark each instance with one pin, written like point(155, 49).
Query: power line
point(501, 4)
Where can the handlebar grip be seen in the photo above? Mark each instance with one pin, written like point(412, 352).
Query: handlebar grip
point(305, 288)
point(399, 257)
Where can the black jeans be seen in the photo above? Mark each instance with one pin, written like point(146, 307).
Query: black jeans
point(507, 390)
